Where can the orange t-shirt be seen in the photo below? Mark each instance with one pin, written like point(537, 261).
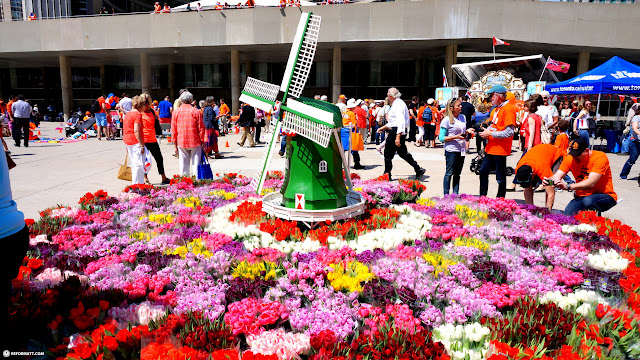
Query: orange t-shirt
point(224, 109)
point(419, 121)
point(541, 159)
point(562, 142)
point(156, 9)
point(133, 117)
point(349, 118)
point(596, 163)
point(149, 127)
point(505, 116)
point(9, 107)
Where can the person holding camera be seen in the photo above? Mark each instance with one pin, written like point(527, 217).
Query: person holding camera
point(454, 134)
point(537, 163)
point(594, 184)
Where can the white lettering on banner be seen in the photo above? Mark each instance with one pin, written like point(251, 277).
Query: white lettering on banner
point(624, 74)
point(562, 89)
point(589, 78)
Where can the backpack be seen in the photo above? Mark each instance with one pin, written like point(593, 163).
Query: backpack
point(95, 107)
point(545, 134)
point(427, 115)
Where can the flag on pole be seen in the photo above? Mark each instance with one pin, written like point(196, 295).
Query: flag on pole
point(558, 66)
point(445, 83)
point(634, 99)
point(621, 97)
point(497, 41)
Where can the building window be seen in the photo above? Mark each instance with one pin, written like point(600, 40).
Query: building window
point(322, 166)
point(85, 77)
point(16, 10)
point(29, 78)
point(206, 75)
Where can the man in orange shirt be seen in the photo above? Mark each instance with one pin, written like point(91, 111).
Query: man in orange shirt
point(538, 163)
point(223, 115)
point(594, 184)
point(157, 8)
point(499, 137)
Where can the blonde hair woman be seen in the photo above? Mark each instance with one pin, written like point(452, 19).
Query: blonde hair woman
point(453, 133)
point(133, 137)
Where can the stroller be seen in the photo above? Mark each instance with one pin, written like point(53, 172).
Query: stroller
point(71, 126)
point(476, 163)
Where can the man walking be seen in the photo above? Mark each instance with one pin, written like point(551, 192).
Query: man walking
point(21, 111)
point(223, 113)
point(246, 121)
point(499, 137)
point(187, 130)
point(413, 113)
point(398, 124)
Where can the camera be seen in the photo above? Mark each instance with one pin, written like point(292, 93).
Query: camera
point(469, 136)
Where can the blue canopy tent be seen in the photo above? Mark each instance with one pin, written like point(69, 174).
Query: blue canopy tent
point(616, 76)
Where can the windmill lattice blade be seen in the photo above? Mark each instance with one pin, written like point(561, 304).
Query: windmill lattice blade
point(261, 89)
point(305, 57)
point(258, 180)
point(318, 133)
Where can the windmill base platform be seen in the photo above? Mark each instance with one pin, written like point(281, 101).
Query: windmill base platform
point(272, 205)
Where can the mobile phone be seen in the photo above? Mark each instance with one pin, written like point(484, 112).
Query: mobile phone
point(549, 182)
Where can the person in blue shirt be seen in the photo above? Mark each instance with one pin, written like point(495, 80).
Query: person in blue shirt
point(164, 110)
point(14, 235)
point(481, 115)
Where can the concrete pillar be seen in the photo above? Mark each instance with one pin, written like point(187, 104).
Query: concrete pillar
point(235, 81)
point(145, 72)
point(6, 10)
point(583, 62)
point(66, 85)
point(336, 74)
point(172, 81)
point(450, 58)
point(103, 80)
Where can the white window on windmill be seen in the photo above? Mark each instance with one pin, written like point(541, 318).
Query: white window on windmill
point(322, 166)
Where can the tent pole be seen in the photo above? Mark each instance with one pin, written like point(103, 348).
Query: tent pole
point(544, 68)
point(597, 111)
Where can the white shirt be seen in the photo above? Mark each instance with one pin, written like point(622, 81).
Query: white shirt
point(398, 116)
point(342, 106)
point(125, 105)
point(547, 112)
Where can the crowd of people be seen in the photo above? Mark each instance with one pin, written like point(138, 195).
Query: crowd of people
point(553, 142)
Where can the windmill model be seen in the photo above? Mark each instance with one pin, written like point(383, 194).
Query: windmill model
point(314, 188)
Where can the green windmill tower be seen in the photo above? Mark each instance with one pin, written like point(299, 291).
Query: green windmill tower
point(314, 189)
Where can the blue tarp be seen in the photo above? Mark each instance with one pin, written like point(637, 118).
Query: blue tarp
point(616, 76)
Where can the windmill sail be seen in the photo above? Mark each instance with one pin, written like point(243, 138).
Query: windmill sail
point(259, 94)
point(258, 180)
point(301, 56)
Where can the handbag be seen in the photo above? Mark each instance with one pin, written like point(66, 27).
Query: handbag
point(124, 172)
point(157, 126)
point(204, 169)
point(10, 163)
point(357, 144)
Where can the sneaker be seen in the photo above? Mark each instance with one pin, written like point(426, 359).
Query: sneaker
point(511, 187)
point(280, 153)
point(420, 173)
point(166, 182)
point(623, 177)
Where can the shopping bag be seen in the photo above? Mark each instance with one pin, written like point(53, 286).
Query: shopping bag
point(204, 169)
point(147, 160)
point(357, 143)
point(124, 172)
point(10, 163)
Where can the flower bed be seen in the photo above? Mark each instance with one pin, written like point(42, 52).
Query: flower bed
point(197, 270)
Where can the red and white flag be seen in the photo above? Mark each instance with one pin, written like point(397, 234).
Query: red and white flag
point(558, 66)
point(497, 41)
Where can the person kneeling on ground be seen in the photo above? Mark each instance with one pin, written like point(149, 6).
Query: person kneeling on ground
point(594, 185)
point(538, 163)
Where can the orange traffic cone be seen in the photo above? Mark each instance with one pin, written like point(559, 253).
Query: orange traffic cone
point(169, 139)
point(39, 132)
point(227, 145)
point(60, 131)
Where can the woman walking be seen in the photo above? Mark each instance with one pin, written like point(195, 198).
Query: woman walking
point(211, 129)
point(453, 133)
point(634, 146)
point(581, 123)
point(133, 137)
point(149, 120)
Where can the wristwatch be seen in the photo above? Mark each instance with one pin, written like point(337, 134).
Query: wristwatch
point(568, 187)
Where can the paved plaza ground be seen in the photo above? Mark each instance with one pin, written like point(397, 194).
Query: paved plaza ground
point(51, 174)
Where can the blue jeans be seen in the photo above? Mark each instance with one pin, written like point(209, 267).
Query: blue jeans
point(455, 162)
point(625, 144)
point(101, 119)
point(490, 162)
point(597, 202)
point(584, 134)
point(380, 136)
point(634, 151)
point(283, 144)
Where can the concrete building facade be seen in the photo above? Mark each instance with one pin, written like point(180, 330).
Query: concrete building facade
point(363, 48)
